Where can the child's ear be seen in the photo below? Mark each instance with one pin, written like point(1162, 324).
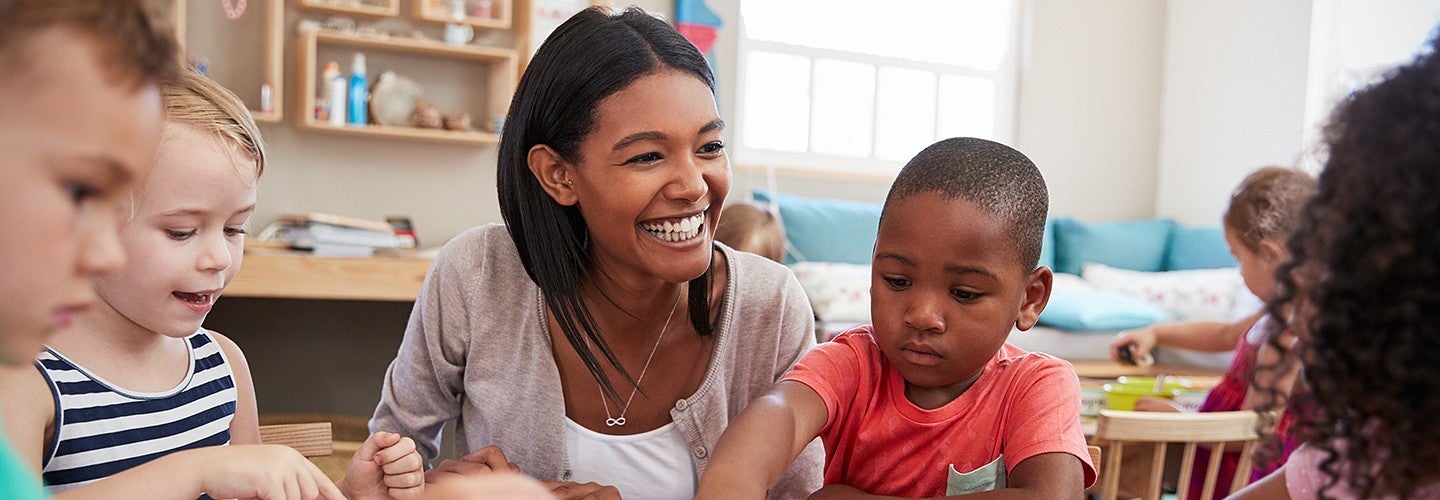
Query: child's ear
point(1272, 250)
point(1037, 293)
point(553, 172)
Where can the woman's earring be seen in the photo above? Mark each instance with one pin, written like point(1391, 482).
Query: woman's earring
point(568, 182)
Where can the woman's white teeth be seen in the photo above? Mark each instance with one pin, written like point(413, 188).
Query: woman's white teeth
point(674, 230)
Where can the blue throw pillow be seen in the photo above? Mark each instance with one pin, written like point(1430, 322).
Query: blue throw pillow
point(1198, 248)
point(826, 230)
point(1047, 245)
point(1099, 310)
point(1137, 245)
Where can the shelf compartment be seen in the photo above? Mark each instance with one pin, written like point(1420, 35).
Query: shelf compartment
point(425, 10)
point(390, 8)
point(272, 68)
point(501, 68)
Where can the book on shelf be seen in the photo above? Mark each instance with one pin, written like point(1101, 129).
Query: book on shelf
point(336, 234)
point(337, 220)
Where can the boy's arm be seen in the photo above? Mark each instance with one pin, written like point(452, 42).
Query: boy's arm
point(245, 424)
point(29, 412)
point(747, 460)
point(1047, 475)
point(1203, 336)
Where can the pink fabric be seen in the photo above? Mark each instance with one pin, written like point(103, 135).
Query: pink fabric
point(1024, 404)
point(1304, 480)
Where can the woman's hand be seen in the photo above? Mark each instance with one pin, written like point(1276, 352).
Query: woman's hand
point(482, 461)
point(578, 491)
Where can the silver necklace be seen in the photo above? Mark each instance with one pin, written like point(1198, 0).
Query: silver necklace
point(620, 420)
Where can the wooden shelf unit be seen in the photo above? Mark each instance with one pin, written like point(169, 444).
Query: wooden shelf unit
point(502, 71)
point(273, 57)
point(390, 8)
point(284, 274)
point(423, 10)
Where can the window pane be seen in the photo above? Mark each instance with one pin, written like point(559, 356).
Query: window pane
point(967, 107)
point(972, 33)
point(844, 113)
point(777, 101)
point(905, 116)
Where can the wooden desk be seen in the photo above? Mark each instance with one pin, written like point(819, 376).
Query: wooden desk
point(1111, 369)
point(268, 273)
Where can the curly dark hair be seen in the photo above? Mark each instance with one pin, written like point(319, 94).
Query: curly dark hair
point(1363, 284)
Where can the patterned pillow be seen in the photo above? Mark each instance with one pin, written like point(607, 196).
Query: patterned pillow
point(1192, 295)
point(838, 291)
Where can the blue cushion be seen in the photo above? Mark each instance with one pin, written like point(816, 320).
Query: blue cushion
point(1099, 310)
point(1138, 245)
point(1047, 245)
point(826, 230)
point(1198, 248)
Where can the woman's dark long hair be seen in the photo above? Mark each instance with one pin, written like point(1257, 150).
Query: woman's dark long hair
point(1364, 282)
point(591, 56)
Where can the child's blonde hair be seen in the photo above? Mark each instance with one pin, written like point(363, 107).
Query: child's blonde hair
point(750, 228)
point(198, 101)
point(1266, 205)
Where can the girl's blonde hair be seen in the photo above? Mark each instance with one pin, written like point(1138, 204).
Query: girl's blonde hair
point(198, 101)
point(750, 228)
point(1267, 204)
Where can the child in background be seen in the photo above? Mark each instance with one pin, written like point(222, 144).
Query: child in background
point(930, 400)
point(79, 126)
point(138, 379)
point(1364, 288)
point(1264, 210)
point(751, 228)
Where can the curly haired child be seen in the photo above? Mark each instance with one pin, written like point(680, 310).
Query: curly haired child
point(930, 400)
point(136, 380)
point(1364, 284)
point(1263, 211)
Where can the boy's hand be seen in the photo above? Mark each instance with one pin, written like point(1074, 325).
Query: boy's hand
point(386, 466)
point(260, 471)
point(482, 461)
point(499, 486)
point(581, 491)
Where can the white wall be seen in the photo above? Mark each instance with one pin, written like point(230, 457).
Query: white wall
point(1089, 103)
point(1233, 100)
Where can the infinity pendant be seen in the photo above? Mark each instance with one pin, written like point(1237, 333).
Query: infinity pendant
point(612, 422)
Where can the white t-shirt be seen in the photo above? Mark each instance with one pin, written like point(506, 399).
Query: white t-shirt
point(653, 465)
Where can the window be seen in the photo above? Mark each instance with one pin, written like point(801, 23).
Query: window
point(861, 86)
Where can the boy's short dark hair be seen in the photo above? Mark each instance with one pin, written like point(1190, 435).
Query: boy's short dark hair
point(996, 177)
point(136, 42)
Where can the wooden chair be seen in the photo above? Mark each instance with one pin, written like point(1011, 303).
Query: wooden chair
point(1094, 459)
point(1117, 428)
point(310, 439)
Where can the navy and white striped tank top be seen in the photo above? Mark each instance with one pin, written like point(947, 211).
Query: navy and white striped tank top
point(101, 429)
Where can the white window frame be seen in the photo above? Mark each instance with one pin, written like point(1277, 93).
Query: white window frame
point(1005, 76)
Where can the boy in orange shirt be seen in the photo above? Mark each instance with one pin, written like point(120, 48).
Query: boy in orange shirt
point(930, 400)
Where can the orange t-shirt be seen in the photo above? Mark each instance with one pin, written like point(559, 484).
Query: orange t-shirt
point(1024, 404)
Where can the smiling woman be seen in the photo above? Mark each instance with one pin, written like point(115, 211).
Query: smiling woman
point(558, 340)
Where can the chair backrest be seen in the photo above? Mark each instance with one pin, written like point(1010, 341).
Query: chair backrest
point(310, 439)
point(1116, 428)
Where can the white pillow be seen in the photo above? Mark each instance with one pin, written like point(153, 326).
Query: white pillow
point(838, 291)
point(1192, 295)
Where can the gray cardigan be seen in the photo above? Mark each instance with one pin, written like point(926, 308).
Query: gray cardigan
point(476, 348)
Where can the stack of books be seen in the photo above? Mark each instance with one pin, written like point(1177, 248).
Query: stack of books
point(340, 236)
